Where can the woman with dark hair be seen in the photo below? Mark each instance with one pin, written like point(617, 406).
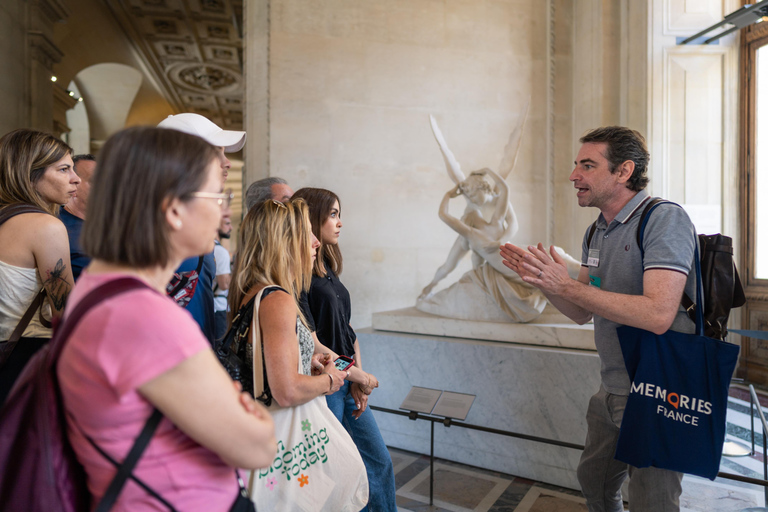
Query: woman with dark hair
point(36, 178)
point(155, 201)
point(327, 307)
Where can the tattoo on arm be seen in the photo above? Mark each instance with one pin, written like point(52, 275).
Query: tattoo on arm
point(57, 286)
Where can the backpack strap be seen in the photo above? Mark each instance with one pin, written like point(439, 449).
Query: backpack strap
point(694, 313)
point(12, 210)
point(125, 470)
point(24, 322)
point(652, 204)
point(592, 229)
point(96, 296)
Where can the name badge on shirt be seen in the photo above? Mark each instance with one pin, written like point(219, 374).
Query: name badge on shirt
point(593, 259)
point(594, 281)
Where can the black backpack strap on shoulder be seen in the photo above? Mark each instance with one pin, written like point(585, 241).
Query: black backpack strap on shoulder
point(125, 470)
point(592, 229)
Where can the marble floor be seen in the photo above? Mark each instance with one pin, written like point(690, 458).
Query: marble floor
point(460, 488)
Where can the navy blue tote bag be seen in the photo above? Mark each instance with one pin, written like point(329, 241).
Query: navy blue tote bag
point(675, 413)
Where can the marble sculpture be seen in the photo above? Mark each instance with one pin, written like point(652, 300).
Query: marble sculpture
point(490, 291)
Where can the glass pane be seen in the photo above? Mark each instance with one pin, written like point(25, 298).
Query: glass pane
point(761, 165)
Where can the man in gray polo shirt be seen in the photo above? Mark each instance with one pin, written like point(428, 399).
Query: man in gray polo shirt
point(617, 286)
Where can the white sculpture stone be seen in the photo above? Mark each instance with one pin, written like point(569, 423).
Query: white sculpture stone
point(490, 291)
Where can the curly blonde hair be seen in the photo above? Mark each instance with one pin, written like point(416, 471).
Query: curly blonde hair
point(274, 248)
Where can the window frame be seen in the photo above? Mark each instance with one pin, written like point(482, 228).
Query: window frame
point(752, 38)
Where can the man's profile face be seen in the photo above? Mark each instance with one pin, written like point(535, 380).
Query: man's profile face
point(84, 169)
point(592, 177)
point(281, 192)
point(225, 228)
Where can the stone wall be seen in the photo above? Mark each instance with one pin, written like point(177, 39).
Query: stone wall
point(350, 89)
point(13, 108)
point(339, 94)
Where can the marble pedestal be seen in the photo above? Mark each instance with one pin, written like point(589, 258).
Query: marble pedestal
point(536, 390)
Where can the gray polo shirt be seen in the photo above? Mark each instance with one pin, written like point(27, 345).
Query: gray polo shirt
point(615, 265)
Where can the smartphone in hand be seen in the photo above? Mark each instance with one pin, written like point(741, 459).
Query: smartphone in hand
point(343, 363)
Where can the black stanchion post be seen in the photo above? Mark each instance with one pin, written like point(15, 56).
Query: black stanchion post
point(432, 461)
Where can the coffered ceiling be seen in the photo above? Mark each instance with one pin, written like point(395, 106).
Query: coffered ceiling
point(194, 51)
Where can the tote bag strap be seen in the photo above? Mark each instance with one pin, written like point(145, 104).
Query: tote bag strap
point(256, 343)
point(258, 359)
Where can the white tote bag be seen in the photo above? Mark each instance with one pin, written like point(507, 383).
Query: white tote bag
point(317, 466)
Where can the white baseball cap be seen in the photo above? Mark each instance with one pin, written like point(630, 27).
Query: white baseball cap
point(196, 124)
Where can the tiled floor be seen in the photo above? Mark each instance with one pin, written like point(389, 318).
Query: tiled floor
point(459, 488)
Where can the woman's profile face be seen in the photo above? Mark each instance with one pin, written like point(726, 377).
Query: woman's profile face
point(331, 228)
point(314, 245)
point(59, 182)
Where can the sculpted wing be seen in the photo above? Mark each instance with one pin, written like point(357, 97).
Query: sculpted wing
point(451, 164)
point(513, 145)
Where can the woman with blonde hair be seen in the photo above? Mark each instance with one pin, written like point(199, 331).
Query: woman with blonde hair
point(277, 248)
point(273, 267)
point(156, 200)
point(36, 177)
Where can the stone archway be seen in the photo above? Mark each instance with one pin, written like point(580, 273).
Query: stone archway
point(108, 91)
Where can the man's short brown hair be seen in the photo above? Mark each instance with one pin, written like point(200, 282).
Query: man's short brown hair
point(623, 144)
point(140, 170)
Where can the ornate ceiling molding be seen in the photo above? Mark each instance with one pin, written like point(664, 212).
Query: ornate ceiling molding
point(193, 51)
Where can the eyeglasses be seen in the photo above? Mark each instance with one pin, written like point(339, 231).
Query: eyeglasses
point(279, 204)
point(220, 198)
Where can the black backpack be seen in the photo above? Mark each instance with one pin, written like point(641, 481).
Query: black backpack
point(722, 286)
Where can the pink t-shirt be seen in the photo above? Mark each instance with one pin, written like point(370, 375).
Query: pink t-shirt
point(118, 346)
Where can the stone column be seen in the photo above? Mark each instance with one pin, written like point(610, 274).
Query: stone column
point(44, 54)
point(599, 68)
point(256, 36)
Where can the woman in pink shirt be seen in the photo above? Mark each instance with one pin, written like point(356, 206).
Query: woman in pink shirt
point(155, 201)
